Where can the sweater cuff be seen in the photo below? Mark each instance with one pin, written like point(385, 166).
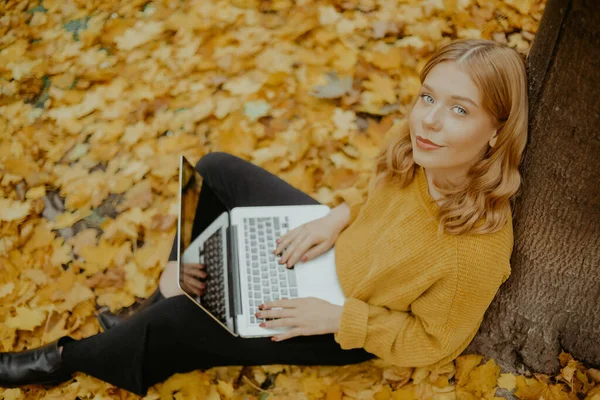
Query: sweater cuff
point(353, 325)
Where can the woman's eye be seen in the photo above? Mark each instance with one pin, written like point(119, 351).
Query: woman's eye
point(424, 96)
point(461, 109)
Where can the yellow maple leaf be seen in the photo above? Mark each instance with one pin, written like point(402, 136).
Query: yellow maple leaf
point(26, 319)
point(246, 84)
point(6, 289)
point(13, 394)
point(78, 294)
point(464, 366)
point(11, 210)
point(135, 281)
point(115, 299)
point(405, 393)
point(141, 33)
point(382, 87)
point(193, 385)
point(36, 193)
point(483, 379)
point(42, 237)
point(225, 389)
point(98, 257)
point(334, 392)
point(507, 381)
point(389, 60)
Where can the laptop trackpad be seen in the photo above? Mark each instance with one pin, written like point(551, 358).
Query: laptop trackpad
point(318, 278)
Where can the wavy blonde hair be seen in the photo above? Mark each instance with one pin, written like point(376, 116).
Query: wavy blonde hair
point(482, 203)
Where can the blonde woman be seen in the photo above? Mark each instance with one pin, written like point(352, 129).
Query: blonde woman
point(419, 261)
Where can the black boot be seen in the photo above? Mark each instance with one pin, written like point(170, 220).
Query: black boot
point(109, 320)
point(37, 366)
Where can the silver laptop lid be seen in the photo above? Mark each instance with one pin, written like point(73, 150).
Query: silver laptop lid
point(190, 185)
point(216, 300)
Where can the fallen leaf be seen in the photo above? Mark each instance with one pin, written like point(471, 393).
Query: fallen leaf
point(26, 319)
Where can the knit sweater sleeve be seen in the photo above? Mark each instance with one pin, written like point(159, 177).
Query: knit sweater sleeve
point(355, 209)
point(428, 332)
point(407, 339)
point(357, 204)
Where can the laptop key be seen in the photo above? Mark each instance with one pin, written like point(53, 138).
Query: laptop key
point(292, 277)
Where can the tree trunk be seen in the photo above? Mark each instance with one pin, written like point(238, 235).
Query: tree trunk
point(550, 302)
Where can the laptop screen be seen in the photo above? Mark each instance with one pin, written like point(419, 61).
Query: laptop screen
point(190, 185)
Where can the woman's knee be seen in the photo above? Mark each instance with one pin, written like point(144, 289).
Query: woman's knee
point(216, 160)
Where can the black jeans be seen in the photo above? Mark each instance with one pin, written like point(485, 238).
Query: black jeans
point(175, 335)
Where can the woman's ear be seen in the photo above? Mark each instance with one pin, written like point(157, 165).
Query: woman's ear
point(494, 139)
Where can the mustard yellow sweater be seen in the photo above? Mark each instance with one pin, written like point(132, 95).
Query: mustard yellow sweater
point(414, 298)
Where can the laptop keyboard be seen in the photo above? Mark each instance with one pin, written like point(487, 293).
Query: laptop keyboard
point(213, 297)
point(267, 279)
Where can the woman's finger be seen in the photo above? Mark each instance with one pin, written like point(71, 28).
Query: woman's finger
point(194, 266)
point(290, 248)
point(195, 284)
point(282, 303)
point(196, 273)
point(290, 333)
point(286, 239)
point(279, 313)
point(191, 289)
point(279, 323)
point(315, 251)
point(306, 244)
point(187, 277)
point(298, 240)
point(283, 241)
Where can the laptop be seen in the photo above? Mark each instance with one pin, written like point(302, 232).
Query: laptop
point(236, 250)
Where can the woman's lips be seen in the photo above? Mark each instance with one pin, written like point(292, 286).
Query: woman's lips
point(426, 146)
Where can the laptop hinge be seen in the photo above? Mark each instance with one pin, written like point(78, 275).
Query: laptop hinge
point(234, 289)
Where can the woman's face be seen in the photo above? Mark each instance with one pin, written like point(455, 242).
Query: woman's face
point(449, 113)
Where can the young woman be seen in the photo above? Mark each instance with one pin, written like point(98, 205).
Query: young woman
point(419, 261)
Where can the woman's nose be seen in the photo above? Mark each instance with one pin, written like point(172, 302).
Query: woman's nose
point(431, 120)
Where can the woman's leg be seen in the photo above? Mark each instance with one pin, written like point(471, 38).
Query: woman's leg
point(177, 336)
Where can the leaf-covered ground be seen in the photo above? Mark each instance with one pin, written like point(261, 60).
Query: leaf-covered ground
point(97, 101)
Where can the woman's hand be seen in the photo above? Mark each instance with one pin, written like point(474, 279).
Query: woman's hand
point(311, 239)
point(194, 276)
point(307, 316)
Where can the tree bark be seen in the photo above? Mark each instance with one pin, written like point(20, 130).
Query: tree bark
point(550, 302)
